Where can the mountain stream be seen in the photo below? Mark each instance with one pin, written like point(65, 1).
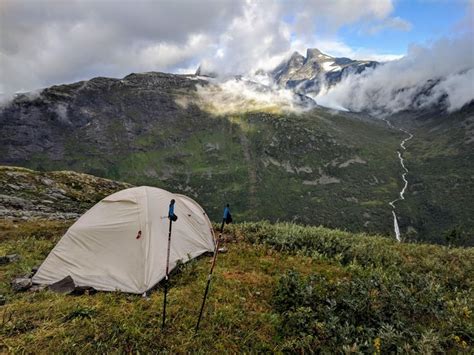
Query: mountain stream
point(404, 178)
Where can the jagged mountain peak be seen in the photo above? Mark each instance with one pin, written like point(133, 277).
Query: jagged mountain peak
point(296, 59)
point(308, 74)
point(296, 54)
point(316, 54)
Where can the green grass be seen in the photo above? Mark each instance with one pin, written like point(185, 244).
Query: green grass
point(280, 287)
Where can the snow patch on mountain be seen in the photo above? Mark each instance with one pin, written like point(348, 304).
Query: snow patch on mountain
point(330, 66)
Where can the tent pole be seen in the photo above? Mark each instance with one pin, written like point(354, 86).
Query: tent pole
point(167, 275)
point(216, 250)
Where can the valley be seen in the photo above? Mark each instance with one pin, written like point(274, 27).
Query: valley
point(316, 167)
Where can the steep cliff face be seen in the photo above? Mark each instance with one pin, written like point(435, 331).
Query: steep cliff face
point(102, 112)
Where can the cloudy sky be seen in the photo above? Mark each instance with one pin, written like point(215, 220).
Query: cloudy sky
point(45, 42)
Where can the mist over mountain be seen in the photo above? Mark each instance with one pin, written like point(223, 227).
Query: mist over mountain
point(441, 75)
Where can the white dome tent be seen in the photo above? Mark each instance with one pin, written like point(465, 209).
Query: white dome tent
point(120, 244)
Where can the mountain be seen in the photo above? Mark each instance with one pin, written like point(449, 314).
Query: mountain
point(308, 74)
point(315, 166)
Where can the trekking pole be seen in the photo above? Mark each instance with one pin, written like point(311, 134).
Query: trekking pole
point(222, 225)
point(209, 278)
point(167, 275)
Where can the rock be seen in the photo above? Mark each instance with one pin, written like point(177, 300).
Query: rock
point(14, 187)
point(20, 284)
point(37, 288)
point(65, 285)
point(355, 160)
point(85, 290)
point(306, 74)
point(47, 182)
point(6, 259)
point(26, 194)
point(210, 147)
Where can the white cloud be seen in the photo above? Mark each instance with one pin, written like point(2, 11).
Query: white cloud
point(425, 76)
point(45, 42)
point(459, 88)
point(166, 55)
point(311, 15)
point(260, 39)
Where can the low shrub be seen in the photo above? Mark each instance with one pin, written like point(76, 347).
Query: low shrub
point(375, 311)
point(454, 266)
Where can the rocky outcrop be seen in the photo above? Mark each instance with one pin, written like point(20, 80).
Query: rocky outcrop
point(27, 194)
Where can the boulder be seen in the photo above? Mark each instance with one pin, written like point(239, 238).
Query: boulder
point(20, 284)
point(65, 285)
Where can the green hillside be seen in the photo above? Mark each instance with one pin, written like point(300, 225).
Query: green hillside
point(317, 167)
point(280, 287)
point(440, 159)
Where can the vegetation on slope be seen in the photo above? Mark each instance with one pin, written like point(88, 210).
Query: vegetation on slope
point(280, 287)
point(440, 161)
point(314, 168)
point(147, 130)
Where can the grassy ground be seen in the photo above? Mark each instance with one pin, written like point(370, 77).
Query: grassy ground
point(260, 288)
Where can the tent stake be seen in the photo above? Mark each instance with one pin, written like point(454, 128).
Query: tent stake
point(216, 250)
point(167, 276)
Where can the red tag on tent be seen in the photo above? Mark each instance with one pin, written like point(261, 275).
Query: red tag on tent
point(139, 234)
